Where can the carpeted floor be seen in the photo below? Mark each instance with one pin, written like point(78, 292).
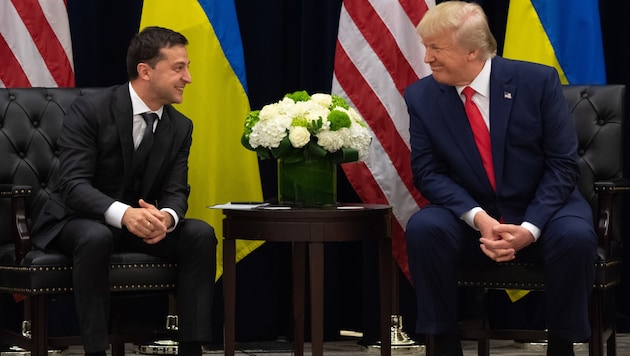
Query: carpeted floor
point(349, 347)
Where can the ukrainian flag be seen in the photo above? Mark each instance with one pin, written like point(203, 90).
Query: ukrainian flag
point(221, 170)
point(565, 34)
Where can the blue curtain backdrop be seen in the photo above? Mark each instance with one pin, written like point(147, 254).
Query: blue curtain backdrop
point(289, 45)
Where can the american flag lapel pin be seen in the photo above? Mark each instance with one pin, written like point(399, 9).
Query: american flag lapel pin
point(507, 95)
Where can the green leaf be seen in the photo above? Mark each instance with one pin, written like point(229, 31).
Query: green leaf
point(345, 155)
point(245, 142)
point(294, 156)
point(315, 149)
point(263, 153)
point(283, 149)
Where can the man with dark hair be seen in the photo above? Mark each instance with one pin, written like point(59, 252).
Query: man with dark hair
point(124, 186)
point(494, 150)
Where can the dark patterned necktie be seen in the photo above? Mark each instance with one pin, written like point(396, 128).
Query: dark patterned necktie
point(142, 152)
point(147, 137)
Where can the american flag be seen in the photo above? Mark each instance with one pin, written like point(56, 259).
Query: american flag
point(35, 44)
point(378, 54)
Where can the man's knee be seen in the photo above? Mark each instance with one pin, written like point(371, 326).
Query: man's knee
point(430, 221)
point(89, 237)
point(573, 238)
point(199, 233)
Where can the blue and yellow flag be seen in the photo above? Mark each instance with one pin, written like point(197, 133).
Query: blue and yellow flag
point(565, 34)
point(221, 170)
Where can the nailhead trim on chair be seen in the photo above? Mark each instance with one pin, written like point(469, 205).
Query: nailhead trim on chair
point(68, 268)
point(144, 287)
point(143, 265)
point(115, 287)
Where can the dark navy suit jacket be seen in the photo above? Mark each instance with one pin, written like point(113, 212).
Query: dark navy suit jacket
point(96, 152)
point(534, 147)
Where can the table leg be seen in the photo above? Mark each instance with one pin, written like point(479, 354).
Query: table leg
point(385, 284)
point(316, 261)
point(229, 294)
point(299, 273)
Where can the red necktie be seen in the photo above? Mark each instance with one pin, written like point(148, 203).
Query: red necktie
point(481, 134)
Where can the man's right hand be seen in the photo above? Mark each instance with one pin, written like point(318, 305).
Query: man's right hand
point(498, 246)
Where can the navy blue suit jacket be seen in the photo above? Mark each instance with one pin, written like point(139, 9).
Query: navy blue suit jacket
point(534, 147)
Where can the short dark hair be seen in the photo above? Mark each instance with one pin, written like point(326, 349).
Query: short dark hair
point(146, 44)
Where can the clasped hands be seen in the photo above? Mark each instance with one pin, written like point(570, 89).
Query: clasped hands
point(499, 241)
point(147, 222)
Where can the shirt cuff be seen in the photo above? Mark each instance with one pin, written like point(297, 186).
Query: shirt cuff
point(535, 231)
point(469, 217)
point(114, 214)
point(175, 218)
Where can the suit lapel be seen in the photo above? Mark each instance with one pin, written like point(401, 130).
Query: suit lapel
point(502, 95)
point(123, 115)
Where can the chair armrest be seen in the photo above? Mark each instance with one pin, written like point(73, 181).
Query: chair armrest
point(620, 185)
point(20, 231)
point(606, 193)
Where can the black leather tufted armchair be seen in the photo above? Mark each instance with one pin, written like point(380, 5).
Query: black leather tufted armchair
point(598, 113)
point(30, 122)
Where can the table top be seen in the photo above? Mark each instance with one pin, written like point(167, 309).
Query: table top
point(343, 222)
point(279, 211)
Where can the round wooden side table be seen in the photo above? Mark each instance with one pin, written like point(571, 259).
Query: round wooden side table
point(308, 229)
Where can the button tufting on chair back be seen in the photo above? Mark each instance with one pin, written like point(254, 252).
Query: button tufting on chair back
point(29, 127)
point(598, 113)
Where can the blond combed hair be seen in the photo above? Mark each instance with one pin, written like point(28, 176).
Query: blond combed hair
point(467, 23)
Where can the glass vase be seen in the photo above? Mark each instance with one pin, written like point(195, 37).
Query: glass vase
point(312, 182)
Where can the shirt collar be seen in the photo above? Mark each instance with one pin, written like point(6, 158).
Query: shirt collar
point(138, 106)
point(481, 83)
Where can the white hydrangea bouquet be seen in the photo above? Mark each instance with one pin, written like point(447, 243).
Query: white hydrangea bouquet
point(300, 124)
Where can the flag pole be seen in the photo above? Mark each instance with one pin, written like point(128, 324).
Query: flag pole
point(399, 339)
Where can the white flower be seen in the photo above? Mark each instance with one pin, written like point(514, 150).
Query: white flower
point(324, 100)
point(296, 122)
point(331, 141)
point(299, 136)
point(359, 138)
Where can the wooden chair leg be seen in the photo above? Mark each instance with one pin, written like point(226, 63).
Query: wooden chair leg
point(36, 309)
point(118, 349)
point(611, 343)
point(430, 346)
point(596, 343)
point(483, 347)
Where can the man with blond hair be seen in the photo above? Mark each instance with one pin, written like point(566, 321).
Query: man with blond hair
point(494, 150)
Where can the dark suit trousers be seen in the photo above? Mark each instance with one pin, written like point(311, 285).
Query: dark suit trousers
point(438, 244)
point(90, 243)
